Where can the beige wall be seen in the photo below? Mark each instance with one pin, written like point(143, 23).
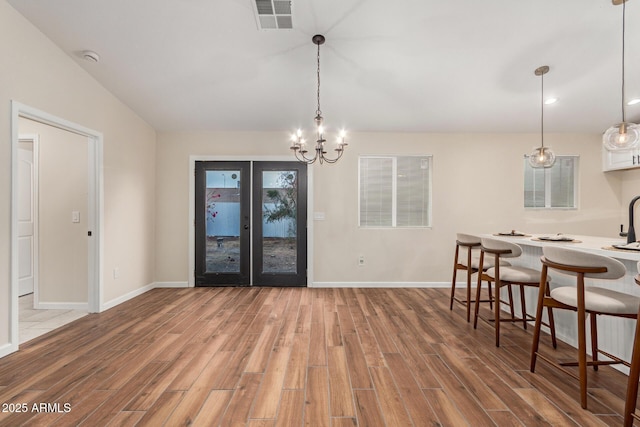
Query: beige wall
point(36, 73)
point(63, 188)
point(477, 188)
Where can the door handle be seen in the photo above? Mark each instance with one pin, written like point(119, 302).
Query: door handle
point(246, 227)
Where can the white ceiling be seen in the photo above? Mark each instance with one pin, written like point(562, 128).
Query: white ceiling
point(401, 65)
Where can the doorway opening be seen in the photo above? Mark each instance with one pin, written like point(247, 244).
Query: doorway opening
point(89, 217)
point(250, 223)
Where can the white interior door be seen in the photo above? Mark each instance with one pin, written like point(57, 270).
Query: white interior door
point(27, 213)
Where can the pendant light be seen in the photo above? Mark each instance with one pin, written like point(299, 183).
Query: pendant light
point(625, 135)
point(542, 157)
point(298, 144)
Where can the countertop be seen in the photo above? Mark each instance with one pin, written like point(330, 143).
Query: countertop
point(591, 244)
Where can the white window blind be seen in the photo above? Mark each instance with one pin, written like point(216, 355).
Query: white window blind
point(554, 187)
point(395, 191)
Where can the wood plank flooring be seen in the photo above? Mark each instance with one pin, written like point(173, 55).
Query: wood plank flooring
point(293, 357)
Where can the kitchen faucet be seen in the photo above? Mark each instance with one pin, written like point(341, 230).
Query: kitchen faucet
point(631, 233)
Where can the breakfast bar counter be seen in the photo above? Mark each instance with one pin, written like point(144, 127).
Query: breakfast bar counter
point(598, 245)
point(616, 335)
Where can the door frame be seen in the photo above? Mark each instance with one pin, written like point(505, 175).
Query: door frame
point(95, 212)
point(192, 199)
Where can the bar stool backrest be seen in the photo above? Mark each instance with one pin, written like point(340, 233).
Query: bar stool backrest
point(576, 258)
point(468, 239)
point(506, 249)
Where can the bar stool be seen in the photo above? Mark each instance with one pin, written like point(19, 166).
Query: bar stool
point(634, 374)
point(584, 300)
point(470, 265)
point(507, 276)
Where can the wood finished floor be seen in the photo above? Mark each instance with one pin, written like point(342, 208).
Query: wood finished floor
point(293, 357)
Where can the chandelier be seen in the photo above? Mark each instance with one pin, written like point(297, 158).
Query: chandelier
point(624, 135)
point(542, 157)
point(298, 144)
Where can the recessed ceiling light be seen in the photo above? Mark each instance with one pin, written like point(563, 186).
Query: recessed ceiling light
point(550, 101)
point(634, 101)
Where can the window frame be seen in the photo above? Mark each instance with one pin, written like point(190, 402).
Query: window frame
point(394, 191)
point(547, 185)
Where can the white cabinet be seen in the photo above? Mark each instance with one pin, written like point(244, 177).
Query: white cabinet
point(616, 160)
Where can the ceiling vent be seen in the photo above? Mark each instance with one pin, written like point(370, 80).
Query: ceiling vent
point(273, 14)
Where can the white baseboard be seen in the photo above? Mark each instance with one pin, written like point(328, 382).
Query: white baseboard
point(7, 349)
point(126, 297)
point(381, 285)
point(171, 284)
point(43, 305)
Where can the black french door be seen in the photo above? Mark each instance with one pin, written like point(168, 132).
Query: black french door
point(223, 223)
point(251, 234)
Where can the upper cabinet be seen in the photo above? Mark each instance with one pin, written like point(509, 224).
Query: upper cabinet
point(616, 160)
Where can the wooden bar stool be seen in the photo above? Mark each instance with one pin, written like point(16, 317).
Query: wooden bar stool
point(470, 264)
point(634, 374)
point(584, 300)
point(507, 276)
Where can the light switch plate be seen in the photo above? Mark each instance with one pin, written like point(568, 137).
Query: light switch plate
point(75, 216)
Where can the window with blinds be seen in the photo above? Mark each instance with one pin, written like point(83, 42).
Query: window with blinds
point(554, 187)
point(395, 191)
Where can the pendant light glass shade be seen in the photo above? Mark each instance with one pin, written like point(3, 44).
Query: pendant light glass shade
point(625, 135)
point(542, 157)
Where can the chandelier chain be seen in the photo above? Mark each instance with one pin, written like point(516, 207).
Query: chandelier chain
point(318, 112)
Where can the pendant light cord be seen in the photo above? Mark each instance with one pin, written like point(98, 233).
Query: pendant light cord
point(623, 30)
point(318, 112)
point(542, 110)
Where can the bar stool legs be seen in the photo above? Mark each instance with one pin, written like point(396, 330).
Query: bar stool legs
point(583, 300)
point(467, 267)
point(507, 276)
point(470, 266)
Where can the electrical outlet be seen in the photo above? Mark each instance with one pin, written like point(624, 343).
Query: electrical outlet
point(361, 260)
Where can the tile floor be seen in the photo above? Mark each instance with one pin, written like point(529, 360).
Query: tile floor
point(33, 323)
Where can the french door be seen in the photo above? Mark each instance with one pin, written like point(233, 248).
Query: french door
point(250, 223)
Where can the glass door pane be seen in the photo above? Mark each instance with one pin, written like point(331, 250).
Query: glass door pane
point(222, 210)
point(279, 214)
